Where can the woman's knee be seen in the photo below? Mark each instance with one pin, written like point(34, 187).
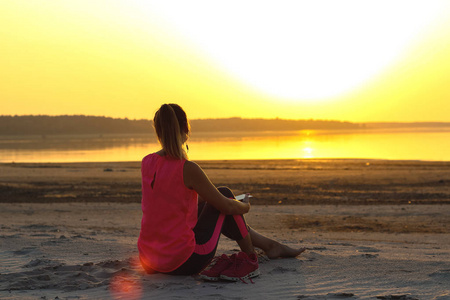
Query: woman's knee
point(224, 190)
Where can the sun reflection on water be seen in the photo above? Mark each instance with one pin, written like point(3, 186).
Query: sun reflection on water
point(252, 145)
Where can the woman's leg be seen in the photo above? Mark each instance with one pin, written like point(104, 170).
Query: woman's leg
point(236, 228)
point(231, 229)
point(272, 248)
point(207, 232)
point(211, 223)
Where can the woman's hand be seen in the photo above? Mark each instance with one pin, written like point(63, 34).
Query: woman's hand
point(244, 205)
point(246, 198)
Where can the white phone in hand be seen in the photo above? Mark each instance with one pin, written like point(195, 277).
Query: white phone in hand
point(241, 197)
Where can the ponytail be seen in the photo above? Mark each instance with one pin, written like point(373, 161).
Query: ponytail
point(172, 129)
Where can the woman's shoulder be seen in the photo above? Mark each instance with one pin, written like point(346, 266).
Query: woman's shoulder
point(191, 173)
point(150, 160)
point(190, 165)
point(148, 157)
point(192, 170)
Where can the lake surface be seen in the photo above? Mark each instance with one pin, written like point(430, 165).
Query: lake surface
point(429, 145)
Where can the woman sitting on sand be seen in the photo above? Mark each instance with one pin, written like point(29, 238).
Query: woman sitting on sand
point(184, 213)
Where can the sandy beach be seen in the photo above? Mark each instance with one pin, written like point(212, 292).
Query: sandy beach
point(373, 230)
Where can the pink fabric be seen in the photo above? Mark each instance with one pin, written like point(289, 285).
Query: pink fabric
point(169, 210)
point(241, 225)
point(209, 246)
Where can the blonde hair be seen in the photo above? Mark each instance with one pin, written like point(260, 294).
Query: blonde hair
point(172, 128)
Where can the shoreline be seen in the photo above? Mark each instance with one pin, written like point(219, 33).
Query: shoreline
point(323, 159)
point(271, 182)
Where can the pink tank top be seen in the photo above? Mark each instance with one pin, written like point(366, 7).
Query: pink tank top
point(169, 210)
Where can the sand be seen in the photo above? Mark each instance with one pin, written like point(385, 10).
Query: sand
point(372, 229)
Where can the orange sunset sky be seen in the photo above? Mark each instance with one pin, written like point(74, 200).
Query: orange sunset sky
point(344, 60)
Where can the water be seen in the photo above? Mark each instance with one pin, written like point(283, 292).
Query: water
point(428, 145)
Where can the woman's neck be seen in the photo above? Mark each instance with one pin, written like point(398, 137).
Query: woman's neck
point(161, 152)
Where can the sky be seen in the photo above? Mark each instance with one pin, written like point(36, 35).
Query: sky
point(358, 61)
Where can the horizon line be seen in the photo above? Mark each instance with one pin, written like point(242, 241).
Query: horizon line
point(224, 118)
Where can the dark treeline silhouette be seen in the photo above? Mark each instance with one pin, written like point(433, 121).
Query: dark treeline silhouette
point(239, 124)
point(80, 124)
point(43, 125)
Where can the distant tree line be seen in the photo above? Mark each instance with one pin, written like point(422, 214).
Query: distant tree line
point(239, 124)
point(80, 124)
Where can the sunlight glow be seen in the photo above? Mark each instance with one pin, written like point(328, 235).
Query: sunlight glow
point(300, 50)
point(307, 152)
point(349, 60)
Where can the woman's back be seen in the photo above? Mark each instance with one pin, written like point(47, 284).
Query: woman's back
point(169, 211)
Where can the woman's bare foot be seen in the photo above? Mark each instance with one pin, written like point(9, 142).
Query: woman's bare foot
point(272, 248)
point(278, 250)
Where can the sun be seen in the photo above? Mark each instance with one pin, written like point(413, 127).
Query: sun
point(300, 50)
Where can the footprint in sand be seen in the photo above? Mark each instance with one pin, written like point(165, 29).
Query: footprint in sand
point(45, 274)
point(42, 262)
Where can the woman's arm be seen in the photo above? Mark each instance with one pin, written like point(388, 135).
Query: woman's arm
point(196, 179)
